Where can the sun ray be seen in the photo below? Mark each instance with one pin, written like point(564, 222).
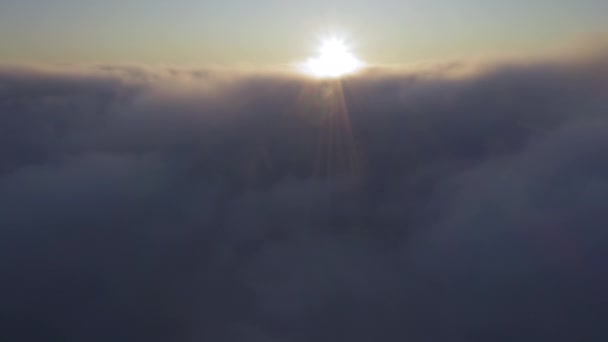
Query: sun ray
point(324, 104)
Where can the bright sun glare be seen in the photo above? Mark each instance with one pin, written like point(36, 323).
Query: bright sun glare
point(334, 60)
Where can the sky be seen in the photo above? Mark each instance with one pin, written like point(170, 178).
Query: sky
point(270, 32)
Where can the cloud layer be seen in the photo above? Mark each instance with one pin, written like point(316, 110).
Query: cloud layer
point(181, 205)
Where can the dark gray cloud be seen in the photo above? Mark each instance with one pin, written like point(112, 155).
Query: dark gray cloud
point(180, 205)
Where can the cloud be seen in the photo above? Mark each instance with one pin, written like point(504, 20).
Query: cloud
point(426, 204)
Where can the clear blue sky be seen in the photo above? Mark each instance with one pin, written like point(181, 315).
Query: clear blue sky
point(273, 31)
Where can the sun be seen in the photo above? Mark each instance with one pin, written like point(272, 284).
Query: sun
point(334, 60)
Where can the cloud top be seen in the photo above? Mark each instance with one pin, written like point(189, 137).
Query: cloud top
point(449, 202)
